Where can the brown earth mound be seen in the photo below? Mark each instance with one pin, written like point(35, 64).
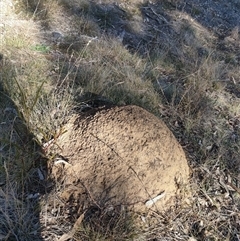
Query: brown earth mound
point(121, 156)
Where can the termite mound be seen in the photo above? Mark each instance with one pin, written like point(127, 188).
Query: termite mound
point(121, 156)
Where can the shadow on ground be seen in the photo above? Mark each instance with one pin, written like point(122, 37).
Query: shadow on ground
point(179, 33)
point(21, 170)
point(158, 22)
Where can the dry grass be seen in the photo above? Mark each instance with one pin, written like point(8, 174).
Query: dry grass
point(173, 69)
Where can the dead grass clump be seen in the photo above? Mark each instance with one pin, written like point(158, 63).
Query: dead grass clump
point(105, 68)
point(24, 73)
point(34, 9)
point(20, 163)
point(19, 179)
point(18, 216)
point(106, 224)
point(44, 107)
